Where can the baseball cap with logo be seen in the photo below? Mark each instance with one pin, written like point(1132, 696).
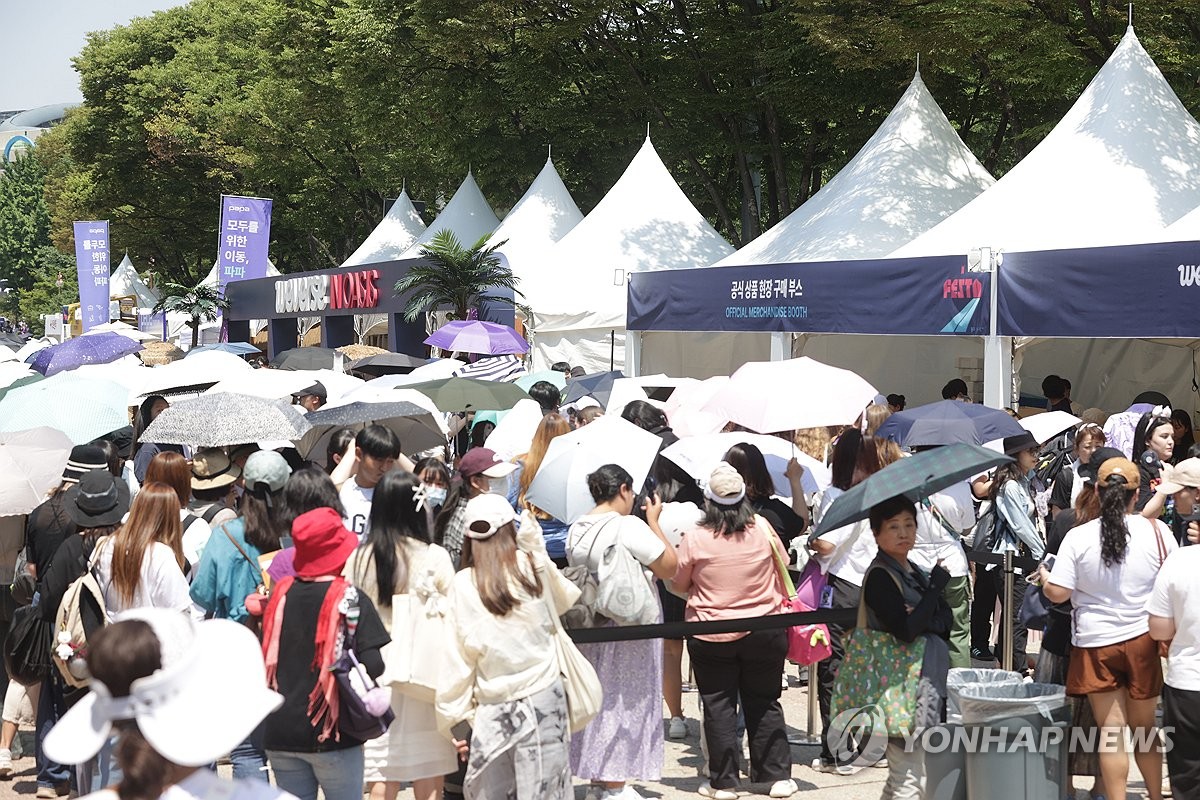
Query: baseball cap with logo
point(484, 461)
point(1119, 469)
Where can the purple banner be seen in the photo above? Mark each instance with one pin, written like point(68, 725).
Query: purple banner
point(245, 235)
point(91, 259)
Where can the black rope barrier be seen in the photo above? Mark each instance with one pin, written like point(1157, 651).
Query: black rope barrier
point(680, 630)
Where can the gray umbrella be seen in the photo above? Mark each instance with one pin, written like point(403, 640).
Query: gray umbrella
point(225, 418)
point(417, 429)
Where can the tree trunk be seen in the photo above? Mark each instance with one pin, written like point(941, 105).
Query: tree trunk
point(195, 326)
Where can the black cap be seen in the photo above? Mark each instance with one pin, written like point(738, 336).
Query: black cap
point(317, 389)
point(1089, 470)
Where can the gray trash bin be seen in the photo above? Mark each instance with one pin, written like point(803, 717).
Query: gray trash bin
point(1018, 738)
point(946, 767)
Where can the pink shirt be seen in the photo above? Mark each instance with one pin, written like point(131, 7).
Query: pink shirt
point(728, 577)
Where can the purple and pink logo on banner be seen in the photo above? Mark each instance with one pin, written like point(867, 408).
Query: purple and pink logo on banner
point(245, 236)
point(91, 260)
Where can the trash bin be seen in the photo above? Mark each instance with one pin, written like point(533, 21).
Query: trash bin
point(968, 676)
point(946, 763)
point(1017, 737)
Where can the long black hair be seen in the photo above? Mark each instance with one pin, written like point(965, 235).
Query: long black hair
point(1114, 505)
point(749, 462)
point(1146, 427)
point(844, 459)
point(1009, 471)
point(394, 517)
point(142, 420)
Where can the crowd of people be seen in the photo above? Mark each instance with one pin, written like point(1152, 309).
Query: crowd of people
point(391, 619)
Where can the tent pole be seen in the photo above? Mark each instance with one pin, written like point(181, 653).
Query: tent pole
point(997, 350)
point(612, 350)
point(633, 354)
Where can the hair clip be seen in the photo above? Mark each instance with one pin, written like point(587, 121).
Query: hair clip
point(420, 494)
point(1161, 411)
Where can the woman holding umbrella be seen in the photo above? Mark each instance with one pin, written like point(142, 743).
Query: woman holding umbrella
point(143, 452)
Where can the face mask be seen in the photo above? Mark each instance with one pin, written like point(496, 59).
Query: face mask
point(435, 495)
point(498, 485)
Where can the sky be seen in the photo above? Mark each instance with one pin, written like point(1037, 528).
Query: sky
point(38, 38)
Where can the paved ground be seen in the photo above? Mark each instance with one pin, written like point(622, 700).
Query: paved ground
point(684, 765)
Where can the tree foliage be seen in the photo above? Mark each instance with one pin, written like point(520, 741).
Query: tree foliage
point(201, 303)
point(459, 277)
point(327, 106)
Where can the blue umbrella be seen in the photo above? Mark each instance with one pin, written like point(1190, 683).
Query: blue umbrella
point(83, 408)
point(549, 375)
point(235, 348)
point(948, 422)
point(101, 348)
point(598, 385)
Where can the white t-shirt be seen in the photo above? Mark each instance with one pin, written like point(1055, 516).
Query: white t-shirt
point(206, 785)
point(160, 583)
point(195, 537)
point(357, 502)
point(1110, 601)
point(854, 545)
point(584, 538)
point(1176, 596)
point(934, 541)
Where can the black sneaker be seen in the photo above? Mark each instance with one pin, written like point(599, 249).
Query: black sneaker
point(982, 654)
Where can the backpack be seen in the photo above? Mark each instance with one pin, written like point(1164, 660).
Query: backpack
point(622, 593)
point(81, 613)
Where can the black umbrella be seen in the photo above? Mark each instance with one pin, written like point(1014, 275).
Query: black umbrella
point(307, 358)
point(387, 364)
point(598, 385)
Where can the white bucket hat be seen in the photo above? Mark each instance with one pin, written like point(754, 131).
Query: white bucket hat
point(210, 693)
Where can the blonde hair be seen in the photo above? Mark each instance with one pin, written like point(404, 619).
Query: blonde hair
point(875, 417)
point(813, 442)
point(551, 427)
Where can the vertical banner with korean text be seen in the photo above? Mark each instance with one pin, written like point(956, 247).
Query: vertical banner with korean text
point(245, 235)
point(91, 259)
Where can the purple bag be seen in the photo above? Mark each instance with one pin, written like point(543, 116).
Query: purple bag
point(811, 585)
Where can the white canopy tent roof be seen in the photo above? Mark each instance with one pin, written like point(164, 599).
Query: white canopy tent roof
point(1122, 165)
point(543, 215)
point(1119, 168)
point(1184, 229)
point(394, 234)
point(644, 223)
point(124, 281)
point(913, 173)
point(467, 214)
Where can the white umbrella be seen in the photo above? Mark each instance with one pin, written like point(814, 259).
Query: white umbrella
point(198, 371)
point(124, 329)
point(33, 346)
point(12, 371)
point(269, 384)
point(697, 455)
point(685, 406)
point(1048, 424)
point(31, 464)
point(774, 396)
point(560, 486)
point(7, 354)
point(514, 432)
point(221, 420)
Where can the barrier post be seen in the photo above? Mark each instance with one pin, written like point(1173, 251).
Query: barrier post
point(1009, 611)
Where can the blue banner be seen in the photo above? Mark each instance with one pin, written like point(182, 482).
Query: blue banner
point(1134, 291)
point(911, 296)
point(245, 237)
point(91, 261)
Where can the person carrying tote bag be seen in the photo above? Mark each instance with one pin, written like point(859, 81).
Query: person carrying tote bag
point(898, 658)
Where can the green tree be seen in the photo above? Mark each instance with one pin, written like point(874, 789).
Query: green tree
point(53, 282)
point(455, 276)
point(201, 303)
point(24, 220)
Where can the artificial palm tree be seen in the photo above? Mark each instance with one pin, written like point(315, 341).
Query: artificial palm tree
point(457, 277)
point(201, 303)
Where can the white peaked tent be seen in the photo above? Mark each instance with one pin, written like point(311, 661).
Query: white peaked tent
point(1122, 165)
point(394, 234)
point(124, 281)
point(467, 214)
point(543, 215)
point(209, 332)
point(1184, 229)
point(578, 295)
point(911, 174)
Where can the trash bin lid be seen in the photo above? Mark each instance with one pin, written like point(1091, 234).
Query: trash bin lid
point(987, 702)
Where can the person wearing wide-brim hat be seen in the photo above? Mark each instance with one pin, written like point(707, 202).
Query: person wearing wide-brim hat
point(1019, 528)
point(180, 694)
point(214, 475)
point(302, 634)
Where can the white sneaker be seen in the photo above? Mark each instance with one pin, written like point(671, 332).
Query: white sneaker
point(677, 728)
point(706, 790)
point(785, 788)
point(6, 767)
point(626, 792)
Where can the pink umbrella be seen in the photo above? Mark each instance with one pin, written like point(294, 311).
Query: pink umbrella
point(474, 336)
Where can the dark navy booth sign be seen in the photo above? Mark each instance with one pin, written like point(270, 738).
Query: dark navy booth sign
point(886, 296)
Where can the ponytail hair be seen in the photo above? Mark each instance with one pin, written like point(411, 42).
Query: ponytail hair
point(1115, 496)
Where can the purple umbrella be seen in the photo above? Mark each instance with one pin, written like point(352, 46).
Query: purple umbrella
point(99, 348)
point(473, 336)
